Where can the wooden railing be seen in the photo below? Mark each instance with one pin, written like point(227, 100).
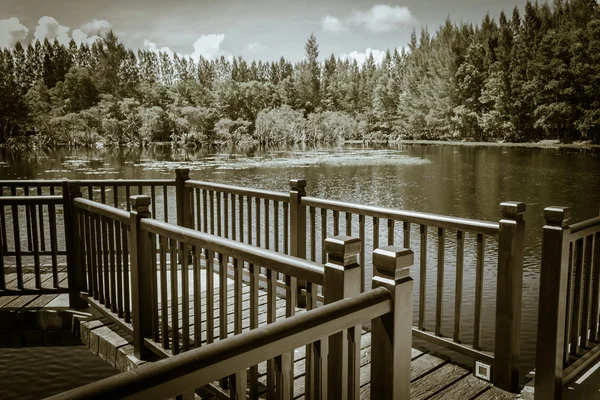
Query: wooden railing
point(295, 224)
point(568, 324)
point(331, 334)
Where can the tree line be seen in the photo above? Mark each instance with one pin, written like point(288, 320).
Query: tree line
point(521, 78)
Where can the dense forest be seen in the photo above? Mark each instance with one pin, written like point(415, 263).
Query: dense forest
point(521, 78)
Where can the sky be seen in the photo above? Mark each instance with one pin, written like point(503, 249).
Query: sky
point(253, 29)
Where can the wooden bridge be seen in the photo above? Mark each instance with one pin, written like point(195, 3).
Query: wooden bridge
point(299, 316)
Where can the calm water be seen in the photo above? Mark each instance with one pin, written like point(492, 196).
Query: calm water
point(453, 180)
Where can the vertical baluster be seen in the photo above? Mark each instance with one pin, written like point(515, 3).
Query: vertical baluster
point(36, 248)
point(569, 305)
point(140, 190)
point(105, 264)
point(576, 321)
point(211, 197)
point(223, 309)
point(113, 277)
point(127, 196)
point(285, 362)
point(164, 301)
point(348, 224)
point(249, 216)
point(185, 294)
point(28, 221)
point(390, 233)
point(3, 223)
point(41, 214)
point(126, 299)
point(153, 199)
point(2, 242)
point(233, 217)
point(336, 223)
point(218, 219)
point(440, 282)
point(587, 288)
point(205, 210)
point(116, 197)
point(423, 277)
point(276, 225)
point(100, 266)
point(210, 296)
point(103, 194)
point(54, 242)
point(286, 228)
point(313, 233)
point(17, 239)
point(119, 261)
point(197, 298)
point(478, 289)
point(198, 211)
point(323, 234)
point(375, 233)
point(267, 224)
point(241, 217)
point(595, 288)
point(257, 222)
point(460, 247)
point(89, 254)
point(174, 297)
point(165, 203)
point(226, 215)
point(310, 361)
point(271, 316)
point(361, 257)
point(253, 305)
point(406, 235)
point(154, 288)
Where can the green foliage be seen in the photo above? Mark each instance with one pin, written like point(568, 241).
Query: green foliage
point(516, 79)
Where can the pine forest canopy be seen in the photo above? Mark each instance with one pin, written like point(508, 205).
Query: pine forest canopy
point(521, 78)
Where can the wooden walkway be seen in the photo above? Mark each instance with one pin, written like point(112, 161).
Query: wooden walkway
point(34, 301)
point(432, 377)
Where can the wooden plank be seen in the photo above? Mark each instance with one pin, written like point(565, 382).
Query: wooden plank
point(423, 365)
point(466, 388)
point(496, 394)
point(435, 381)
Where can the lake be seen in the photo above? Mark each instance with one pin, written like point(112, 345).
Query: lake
point(465, 181)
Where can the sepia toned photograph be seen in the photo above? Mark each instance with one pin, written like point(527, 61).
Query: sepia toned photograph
point(286, 200)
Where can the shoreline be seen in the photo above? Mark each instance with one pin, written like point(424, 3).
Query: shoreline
point(544, 144)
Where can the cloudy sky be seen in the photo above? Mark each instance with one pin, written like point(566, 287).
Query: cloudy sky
point(255, 29)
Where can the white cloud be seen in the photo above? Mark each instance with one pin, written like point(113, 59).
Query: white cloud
point(11, 32)
point(379, 18)
point(209, 47)
point(96, 27)
point(255, 47)
point(382, 17)
point(148, 45)
point(361, 58)
point(332, 24)
point(49, 28)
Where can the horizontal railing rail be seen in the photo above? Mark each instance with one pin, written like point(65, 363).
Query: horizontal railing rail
point(568, 316)
point(239, 190)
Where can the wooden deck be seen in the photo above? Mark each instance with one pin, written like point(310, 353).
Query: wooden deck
point(34, 301)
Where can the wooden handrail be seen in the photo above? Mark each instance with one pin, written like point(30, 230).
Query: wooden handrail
point(584, 228)
point(187, 371)
point(288, 265)
point(440, 221)
point(23, 200)
point(87, 182)
point(239, 190)
point(101, 209)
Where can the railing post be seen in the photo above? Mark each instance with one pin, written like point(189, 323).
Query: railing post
point(298, 231)
point(141, 275)
point(509, 296)
point(75, 273)
point(552, 303)
point(342, 280)
point(185, 216)
point(391, 334)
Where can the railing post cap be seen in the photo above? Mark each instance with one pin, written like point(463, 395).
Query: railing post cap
point(185, 172)
point(556, 215)
point(296, 184)
point(342, 246)
point(140, 200)
point(512, 209)
point(393, 261)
